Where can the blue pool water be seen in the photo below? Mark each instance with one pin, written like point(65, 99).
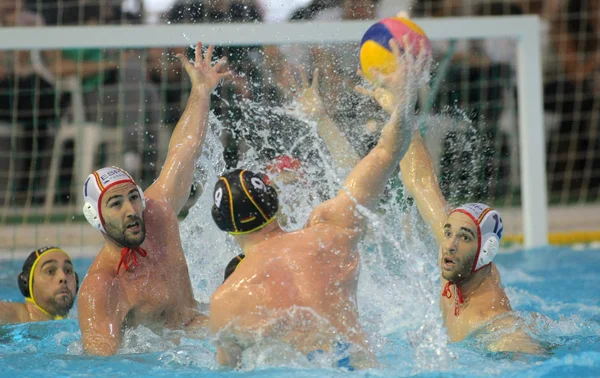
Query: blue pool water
point(562, 285)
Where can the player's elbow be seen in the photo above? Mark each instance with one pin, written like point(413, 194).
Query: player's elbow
point(383, 157)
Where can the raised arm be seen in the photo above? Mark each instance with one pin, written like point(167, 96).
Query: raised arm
point(365, 184)
point(311, 104)
point(175, 180)
point(101, 316)
point(418, 174)
point(420, 180)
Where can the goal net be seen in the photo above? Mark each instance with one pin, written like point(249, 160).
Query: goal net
point(78, 97)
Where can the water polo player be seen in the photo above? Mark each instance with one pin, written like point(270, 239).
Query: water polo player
point(284, 169)
point(49, 284)
point(300, 287)
point(468, 238)
point(140, 277)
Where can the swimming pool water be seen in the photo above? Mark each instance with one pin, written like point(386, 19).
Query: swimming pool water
point(560, 284)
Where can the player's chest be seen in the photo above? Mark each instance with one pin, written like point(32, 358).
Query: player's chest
point(460, 319)
point(154, 282)
point(154, 298)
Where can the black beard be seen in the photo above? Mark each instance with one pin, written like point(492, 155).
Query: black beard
point(61, 308)
point(121, 238)
point(463, 271)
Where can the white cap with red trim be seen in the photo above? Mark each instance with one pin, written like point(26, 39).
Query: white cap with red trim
point(94, 188)
point(282, 163)
point(489, 231)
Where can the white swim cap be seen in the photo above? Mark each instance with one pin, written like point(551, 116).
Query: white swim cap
point(94, 188)
point(489, 231)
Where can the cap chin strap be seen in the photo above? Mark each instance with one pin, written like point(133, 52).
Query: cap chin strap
point(54, 317)
point(129, 254)
point(459, 297)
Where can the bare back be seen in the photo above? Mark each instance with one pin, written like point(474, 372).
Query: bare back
point(301, 287)
point(311, 273)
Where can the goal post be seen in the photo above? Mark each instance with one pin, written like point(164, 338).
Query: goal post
point(525, 30)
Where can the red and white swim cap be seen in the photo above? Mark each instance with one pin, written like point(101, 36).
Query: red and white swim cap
point(94, 188)
point(282, 163)
point(489, 231)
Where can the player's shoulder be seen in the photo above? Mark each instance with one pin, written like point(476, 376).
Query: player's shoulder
point(12, 312)
point(155, 204)
point(99, 282)
point(326, 232)
point(220, 293)
point(321, 224)
point(494, 306)
point(224, 302)
point(159, 217)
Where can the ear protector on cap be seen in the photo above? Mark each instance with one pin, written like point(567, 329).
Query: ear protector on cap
point(490, 245)
point(91, 215)
point(94, 188)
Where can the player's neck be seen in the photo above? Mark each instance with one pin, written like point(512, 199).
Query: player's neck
point(249, 241)
point(470, 286)
point(112, 250)
point(35, 314)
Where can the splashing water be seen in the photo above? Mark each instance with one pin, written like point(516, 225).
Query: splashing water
point(398, 292)
point(399, 281)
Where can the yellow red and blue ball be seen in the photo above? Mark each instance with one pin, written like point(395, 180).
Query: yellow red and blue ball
point(375, 50)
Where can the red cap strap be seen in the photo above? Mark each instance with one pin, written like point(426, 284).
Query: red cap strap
point(130, 253)
point(447, 293)
point(459, 297)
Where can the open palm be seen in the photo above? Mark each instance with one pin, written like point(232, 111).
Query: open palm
point(203, 73)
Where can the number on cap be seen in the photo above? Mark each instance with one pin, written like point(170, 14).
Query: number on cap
point(218, 197)
point(258, 184)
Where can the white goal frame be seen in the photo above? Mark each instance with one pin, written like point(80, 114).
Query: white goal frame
point(525, 30)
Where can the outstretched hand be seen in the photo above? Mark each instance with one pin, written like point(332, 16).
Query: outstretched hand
point(203, 73)
point(398, 88)
point(310, 101)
